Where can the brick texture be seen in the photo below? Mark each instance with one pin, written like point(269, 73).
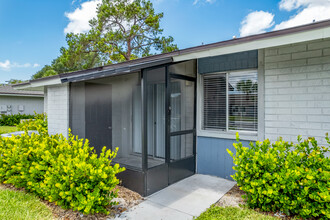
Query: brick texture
point(58, 109)
point(297, 91)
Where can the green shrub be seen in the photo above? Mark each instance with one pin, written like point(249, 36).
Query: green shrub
point(39, 123)
point(293, 178)
point(13, 120)
point(66, 171)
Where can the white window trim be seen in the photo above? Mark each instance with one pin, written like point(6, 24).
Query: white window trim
point(228, 134)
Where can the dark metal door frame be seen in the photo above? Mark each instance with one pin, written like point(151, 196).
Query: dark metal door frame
point(186, 166)
point(190, 161)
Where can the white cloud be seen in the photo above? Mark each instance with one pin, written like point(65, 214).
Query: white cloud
point(207, 1)
point(308, 11)
point(290, 5)
point(79, 18)
point(305, 11)
point(7, 65)
point(256, 22)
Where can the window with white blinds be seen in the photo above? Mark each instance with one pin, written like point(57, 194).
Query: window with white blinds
point(231, 101)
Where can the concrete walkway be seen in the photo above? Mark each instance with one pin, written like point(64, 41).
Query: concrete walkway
point(183, 200)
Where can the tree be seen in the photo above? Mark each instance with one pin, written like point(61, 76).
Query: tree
point(247, 86)
point(129, 29)
point(123, 30)
point(14, 81)
point(77, 56)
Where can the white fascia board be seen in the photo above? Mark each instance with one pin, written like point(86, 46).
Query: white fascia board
point(49, 82)
point(39, 85)
point(259, 44)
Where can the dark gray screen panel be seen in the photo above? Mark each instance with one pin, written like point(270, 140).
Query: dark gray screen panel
point(98, 115)
point(234, 61)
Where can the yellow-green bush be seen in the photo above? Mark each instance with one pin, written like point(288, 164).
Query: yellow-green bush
point(293, 178)
point(65, 171)
point(39, 123)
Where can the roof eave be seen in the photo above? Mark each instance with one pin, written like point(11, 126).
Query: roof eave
point(38, 84)
point(294, 35)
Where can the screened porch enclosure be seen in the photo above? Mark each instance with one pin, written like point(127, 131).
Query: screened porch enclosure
point(108, 113)
point(148, 115)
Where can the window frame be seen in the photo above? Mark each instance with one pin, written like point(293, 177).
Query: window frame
point(227, 133)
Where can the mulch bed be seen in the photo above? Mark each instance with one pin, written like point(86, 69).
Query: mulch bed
point(126, 200)
point(232, 198)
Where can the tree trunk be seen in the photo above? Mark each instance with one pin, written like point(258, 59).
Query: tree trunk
point(129, 50)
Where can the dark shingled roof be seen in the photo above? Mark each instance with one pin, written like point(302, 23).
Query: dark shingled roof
point(8, 90)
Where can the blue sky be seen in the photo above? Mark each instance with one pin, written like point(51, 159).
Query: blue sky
point(32, 32)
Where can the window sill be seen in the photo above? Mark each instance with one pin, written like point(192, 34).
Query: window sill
point(246, 136)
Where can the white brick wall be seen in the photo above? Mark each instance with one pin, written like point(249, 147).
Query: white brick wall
point(58, 109)
point(297, 91)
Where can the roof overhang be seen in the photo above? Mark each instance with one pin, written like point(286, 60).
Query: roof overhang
point(267, 40)
point(38, 84)
point(309, 32)
point(126, 69)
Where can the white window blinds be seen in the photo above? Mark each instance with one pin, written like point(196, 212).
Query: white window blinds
point(215, 102)
point(231, 101)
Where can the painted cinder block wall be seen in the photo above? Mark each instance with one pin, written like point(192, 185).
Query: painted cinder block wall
point(58, 109)
point(295, 100)
point(297, 91)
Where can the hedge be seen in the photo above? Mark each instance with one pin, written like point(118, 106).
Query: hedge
point(287, 177)
point(66, 171)
point(13, 120)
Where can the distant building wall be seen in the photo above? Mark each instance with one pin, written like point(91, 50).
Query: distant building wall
point(22, 104)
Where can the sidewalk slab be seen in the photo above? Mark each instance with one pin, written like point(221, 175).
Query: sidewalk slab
point(182, 200)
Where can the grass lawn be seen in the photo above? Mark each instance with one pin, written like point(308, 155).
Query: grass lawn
point(7, 129)
point(19, 205)
point(233, 213)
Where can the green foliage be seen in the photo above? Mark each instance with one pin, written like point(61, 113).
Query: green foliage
point(7, 129)
point(65, 171)
point(39, 124)
point(15, 81)
point(13, 120)
point(127, 29)
point(20, 205)
point(123, 30)
point(47, 70)
point(232, 213)
point(287, 177)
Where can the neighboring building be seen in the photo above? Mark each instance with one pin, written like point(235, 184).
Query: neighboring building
point(175, 114)
point(14, 101)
